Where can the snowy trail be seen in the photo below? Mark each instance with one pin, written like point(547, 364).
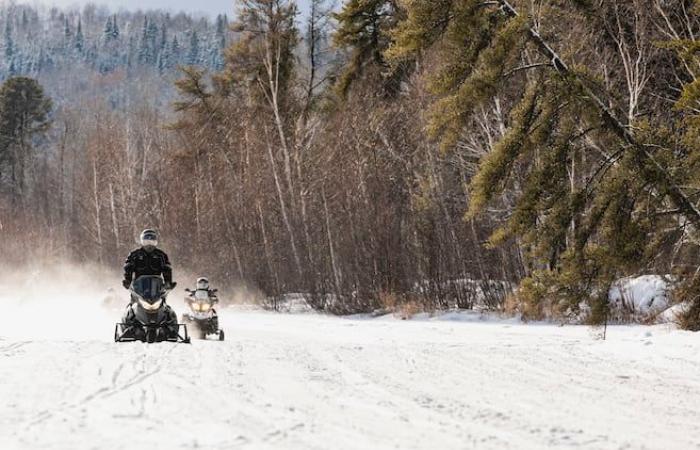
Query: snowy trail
point(306, 382)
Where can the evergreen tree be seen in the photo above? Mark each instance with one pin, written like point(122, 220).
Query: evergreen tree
point(363, 28)
point(174, 53)
point(221, 28)
point(108, 30)
point(163, 51)
point(163, 42)
point(148, 45)
point(67, 33)
point(115, 28)
point(193, 57)
point(9, 49)
point(79, 42)
point(581, 230)
point(268, 39)
point(24, 113)
point(152, 42)
point(687, 125)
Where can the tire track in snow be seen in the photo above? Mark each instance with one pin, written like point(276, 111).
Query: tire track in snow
point(314, 382)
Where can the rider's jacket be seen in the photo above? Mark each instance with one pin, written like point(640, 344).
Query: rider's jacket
point(140, 262)
point(210, 293)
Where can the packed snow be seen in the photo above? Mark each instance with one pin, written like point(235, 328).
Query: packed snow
point(311, 381)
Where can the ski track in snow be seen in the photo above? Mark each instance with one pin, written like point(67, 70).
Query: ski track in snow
point(316, 382)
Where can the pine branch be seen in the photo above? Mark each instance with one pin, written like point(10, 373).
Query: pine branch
point(678, 197)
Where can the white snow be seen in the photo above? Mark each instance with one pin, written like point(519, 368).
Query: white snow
point(643, 296)
point(318, 382)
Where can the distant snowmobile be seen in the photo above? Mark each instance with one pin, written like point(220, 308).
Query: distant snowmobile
point(149, 318)
point(202, 313)
point(111, 300)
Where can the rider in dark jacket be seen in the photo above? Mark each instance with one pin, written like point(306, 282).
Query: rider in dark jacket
point(148, 260)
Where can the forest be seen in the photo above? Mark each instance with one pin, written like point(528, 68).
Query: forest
point(518, 155)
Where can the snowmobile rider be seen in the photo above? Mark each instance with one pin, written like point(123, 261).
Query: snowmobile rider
point(203, 285)
point(148, 260)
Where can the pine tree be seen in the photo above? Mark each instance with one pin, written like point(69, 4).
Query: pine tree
point(268, 39)
point(108, 30)
point(163, 51)
point(79, 42)
point(24, 113)
point(687, 123)
point(152, 41)
point(193, 57)
point(10, 50)
point(67, 32)
point(363, 28)
point(163, 42)
point(111, 29)
point(582, 225)
point(221, 28)
point(148, 44)
point(115, 28)
point(175, 53)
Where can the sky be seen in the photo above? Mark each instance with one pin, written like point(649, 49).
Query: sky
point(212, 7)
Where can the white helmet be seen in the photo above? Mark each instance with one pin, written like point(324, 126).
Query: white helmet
point(202, 283)
point(149, 239)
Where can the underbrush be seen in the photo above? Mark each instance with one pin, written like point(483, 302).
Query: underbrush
point(688, 295)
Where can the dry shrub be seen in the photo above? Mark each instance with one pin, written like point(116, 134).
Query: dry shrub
point(511, 304)
point(689, 293)
point(388, 300)
point(404, 306)
point(409, 309)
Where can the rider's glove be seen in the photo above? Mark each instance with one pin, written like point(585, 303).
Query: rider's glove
point(126, 284)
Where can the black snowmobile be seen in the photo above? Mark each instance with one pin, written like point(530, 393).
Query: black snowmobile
point(202, 313)
point(149, 318)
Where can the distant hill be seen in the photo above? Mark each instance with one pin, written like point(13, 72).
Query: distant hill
point(52, 44)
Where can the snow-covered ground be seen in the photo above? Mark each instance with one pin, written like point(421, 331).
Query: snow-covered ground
point(317, 382)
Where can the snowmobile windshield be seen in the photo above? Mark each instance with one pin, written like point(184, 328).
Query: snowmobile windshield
point(149, 287)
point(201, 295)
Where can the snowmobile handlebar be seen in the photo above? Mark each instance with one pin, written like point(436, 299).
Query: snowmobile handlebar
point(167, 287)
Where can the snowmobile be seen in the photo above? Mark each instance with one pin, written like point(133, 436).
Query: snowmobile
point(148, 317)
point(202, 313)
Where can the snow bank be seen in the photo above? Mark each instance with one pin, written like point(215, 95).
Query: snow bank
point(643, 297)
point(457, 315)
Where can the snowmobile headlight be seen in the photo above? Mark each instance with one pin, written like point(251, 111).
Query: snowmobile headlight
point(204, 306)
point(151, 307)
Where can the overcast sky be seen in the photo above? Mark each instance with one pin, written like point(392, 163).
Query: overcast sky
point(212, 7)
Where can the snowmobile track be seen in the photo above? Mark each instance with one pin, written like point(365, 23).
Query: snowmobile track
point(313, 382)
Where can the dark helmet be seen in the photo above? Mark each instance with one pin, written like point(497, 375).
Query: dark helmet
point(149, 240)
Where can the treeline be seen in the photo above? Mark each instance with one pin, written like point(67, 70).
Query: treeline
point(426, 153)
point(36, 41)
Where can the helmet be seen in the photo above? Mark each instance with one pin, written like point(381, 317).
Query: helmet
point(149, 239)
point(202, 283)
